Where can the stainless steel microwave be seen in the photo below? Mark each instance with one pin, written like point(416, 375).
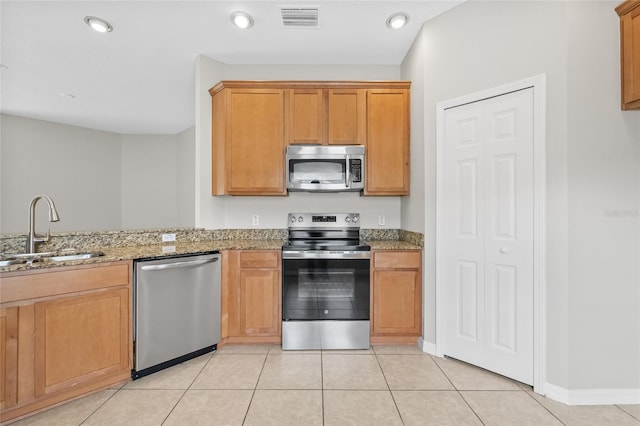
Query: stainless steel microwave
point(325, 168)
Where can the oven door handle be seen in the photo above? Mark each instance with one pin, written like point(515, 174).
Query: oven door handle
point(321, 254)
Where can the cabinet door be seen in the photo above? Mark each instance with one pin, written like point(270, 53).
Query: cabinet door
point(630, 62)
point(387, 142)
point(259, 302)
point(306, 116)
point(255, 142)
point(8, 357)
point(396, 294)
point(346, 118)
point(397, 302)
point(81, 338)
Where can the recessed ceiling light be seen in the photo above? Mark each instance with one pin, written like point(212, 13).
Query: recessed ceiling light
point(97, 24)
point(242, 20)
point(397, 20)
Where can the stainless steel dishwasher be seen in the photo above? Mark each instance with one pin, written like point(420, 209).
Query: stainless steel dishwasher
point(176, 310)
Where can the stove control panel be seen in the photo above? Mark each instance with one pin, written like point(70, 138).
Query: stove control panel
point(315, 220)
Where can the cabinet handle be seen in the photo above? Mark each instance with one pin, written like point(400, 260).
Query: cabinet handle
point(178, 264)
point(347, 172)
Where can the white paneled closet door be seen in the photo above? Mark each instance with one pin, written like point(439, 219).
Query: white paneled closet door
point(488, 235)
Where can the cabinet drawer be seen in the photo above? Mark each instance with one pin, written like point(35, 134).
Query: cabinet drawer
point(55, 281)
point(259, 259)
point(397, 259)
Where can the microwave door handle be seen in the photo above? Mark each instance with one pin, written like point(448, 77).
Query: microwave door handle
point(347, 174)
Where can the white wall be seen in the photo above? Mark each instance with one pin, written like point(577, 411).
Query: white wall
point(79, 168)
point(236, 212)
point(603, 163)
point(149, 181)
point(592, 281)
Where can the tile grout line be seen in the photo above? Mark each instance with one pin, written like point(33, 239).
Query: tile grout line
point(626, 412)
point(253, 394)
point(542, 405)
point(457, 390)
point(101, 405)
point(184, 392)
point(322, 384)
point(188, 388)
point(388, 387)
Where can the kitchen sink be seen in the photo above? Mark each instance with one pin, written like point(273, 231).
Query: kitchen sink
point(30, 256)
point(75, 256)
point(62, 256)
point(9, 262)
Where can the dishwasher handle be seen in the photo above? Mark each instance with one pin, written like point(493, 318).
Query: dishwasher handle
point(178, 264)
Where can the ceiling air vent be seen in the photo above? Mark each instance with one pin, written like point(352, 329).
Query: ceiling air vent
point(300, 17)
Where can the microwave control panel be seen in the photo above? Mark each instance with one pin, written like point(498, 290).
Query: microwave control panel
point(356, 170)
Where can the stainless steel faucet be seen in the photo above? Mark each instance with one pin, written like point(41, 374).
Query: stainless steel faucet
point(34, 238)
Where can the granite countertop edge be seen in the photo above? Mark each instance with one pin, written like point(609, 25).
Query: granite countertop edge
point(115, 254)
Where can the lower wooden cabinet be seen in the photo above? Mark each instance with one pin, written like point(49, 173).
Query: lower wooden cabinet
point(64, 332)
point(396, 305)
point(251, 304)
point(80, 338)
point(8, 357)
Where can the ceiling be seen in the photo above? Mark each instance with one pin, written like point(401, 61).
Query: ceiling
point(140, 77)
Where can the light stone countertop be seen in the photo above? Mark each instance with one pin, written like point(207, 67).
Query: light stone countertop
point(392, 245)
point(113, 254)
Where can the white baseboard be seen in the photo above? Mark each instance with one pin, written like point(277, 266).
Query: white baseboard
point(592, 396)
point(427, 347)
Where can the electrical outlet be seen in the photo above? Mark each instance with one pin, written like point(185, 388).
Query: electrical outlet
point(381, 220)
point(255, 219)
point(167, 238)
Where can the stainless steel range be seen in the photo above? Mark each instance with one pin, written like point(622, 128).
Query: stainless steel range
point(325, 283)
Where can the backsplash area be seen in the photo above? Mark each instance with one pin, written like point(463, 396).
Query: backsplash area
point(15, 243)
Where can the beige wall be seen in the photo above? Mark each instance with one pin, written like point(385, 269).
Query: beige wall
point(186, 177)
point(98, 180)
point(149, 181)
point(592, 164)
point(79, 168)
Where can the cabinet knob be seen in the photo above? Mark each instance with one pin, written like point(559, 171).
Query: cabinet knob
point(504, 250)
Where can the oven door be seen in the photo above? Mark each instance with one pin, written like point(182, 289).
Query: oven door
point(318, 286)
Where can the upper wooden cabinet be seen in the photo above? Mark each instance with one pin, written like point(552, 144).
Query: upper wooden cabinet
point(327, 116)
point(248, 141)
point(305, 111)
point(253, 121)
point(629, 13)
point(387, 142)
point(346, 116)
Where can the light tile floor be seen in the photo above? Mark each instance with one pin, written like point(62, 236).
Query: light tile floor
point(262, 385)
